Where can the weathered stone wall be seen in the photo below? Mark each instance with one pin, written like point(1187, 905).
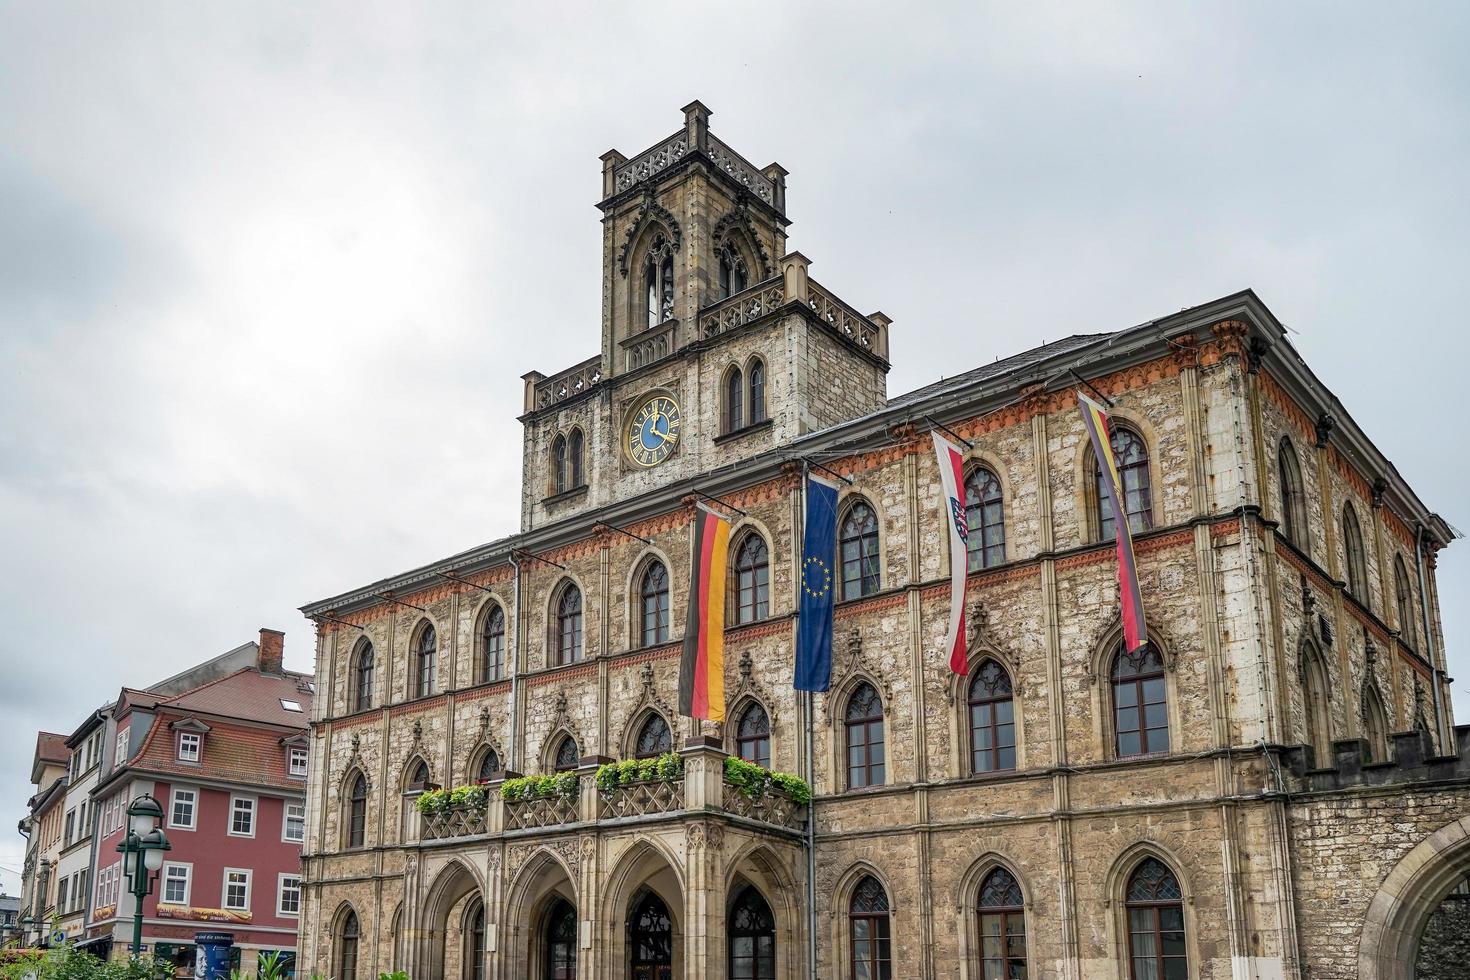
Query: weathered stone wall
point(1444, 950)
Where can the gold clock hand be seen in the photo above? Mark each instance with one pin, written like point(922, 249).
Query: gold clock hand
point(664, 437)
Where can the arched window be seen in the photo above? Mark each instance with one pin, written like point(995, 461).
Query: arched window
point(1140, 703)
point(418, 776)
point(1317, 705)
point(1131, 454)
point(1375, 724)
point(734, 400)
point(652, 937)
point(362, 681)
point(357, 811)
point(492, 644)
point(658, 282)
point(752, 937)
point(752, 579)
point(347, 947)
point(488, 767)
point(753, 735)
point(864, 723)
point(1002, 927)
point(757, 375)
point(732, 271)
point(985, 517)
point(1404, 603)
point(475, 942)
point(567, 755)
point(568, 634)
point(653, 605)
point(1155, 907)
point(858, 549)
point(992, 719)
point(654, 738)
point(867, 930)
point(1293, 497)
point(574, 460)
point(559, 482)
point(425, 654)
point(561, 941)
point(1352, 546)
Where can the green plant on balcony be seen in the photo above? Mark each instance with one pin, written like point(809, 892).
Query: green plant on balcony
point(666, 768)
point(472, 797)
point(756, 781)
point(524, 788)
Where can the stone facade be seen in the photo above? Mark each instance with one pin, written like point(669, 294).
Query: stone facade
point(1252, 830)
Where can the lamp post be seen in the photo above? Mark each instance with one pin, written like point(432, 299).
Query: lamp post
point(27, 921)
point(142, 849)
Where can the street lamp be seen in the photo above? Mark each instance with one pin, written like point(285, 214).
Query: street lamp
point(142, 851)
point(26, 922)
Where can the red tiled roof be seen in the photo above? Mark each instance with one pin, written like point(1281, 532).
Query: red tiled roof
point(51, 748)
point(248, 693)
point(231, 753)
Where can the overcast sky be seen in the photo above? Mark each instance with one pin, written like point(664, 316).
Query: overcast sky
point(269, 273)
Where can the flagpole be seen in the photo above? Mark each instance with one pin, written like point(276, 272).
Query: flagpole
point(811, 778)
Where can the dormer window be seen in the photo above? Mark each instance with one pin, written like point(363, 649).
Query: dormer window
point(732, 272)
point(297, 762)
point(189, 746)
point(658, 282)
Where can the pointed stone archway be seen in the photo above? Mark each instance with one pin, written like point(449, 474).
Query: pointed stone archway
point(1413, 890)
point(543, 930)
point(440, 941)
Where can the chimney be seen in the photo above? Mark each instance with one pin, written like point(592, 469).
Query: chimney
point(272, 655)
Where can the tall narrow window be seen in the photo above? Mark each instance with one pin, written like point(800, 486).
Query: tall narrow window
point(752, 579)
point(732, 272)
point(1316, 706)
point(867, 925)
point(561, 941)
point(492, 644)
point(347, 948)
point(654, 738)
point(1375, 724)
point(1131, 454)
point(658, 282)
point(1293, 496)
point(574, 460)
point(652, 938)
point(734, 400)
point(1140, 702)
point(985, 517)
point(488, 767)
point(653, 605)
point(362, 695)
point(425, 655)
point(858, 546)
point(1352, 546)
point(1404, 603)
point(757, 391)
point(418, 776)
point(569, 625)
point(865, 751)
point(752, 937)
point(566, 757)
point(559, 474)
point(992, 719)
point(753, 735)
point(1155, 906)
point(357, 811)
point(475, 943)
point(1002, 927)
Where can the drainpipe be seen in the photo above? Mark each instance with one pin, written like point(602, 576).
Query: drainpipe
point(1434, 671)
point(515, 664)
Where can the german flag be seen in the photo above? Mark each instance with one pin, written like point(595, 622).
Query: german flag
point(1135, 632)
point(702, 667)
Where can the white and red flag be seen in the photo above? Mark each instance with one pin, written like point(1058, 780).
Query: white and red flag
point(951, 476)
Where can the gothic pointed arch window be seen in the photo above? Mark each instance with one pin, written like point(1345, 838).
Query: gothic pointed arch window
point(857, 543)
point(1404, 603)
point(566, 756)
point(752, 579)
point(492, 644)
point(425, 658)
point(1002, 915)
point(653, 604)
point(732, 271)
point(347, 940)
point(575, 472)
point(1130, 452)
point(363, 667)
point(560, 942)
point(756, 376)
point(474, 946)
point(1375, 724)
point(992, 719)
point(487, 766)
point(1140, 702)
point(651, 937)
point(863, 724)
point(1352, 546)
point(868, 932)
point(751, 936)
point(567, 626)
point(1154, 904)
point(734, 414)
point(654, 737)
point(753, 735)
point(357, 811)
point(1293, 496)
point(658, 281)
point(1317, 704)
point(560, 477)
point(417, 777)
point(985, 518)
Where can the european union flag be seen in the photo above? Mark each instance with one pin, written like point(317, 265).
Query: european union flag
point(818, 578)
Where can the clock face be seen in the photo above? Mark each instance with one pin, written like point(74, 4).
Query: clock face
point(653, 431)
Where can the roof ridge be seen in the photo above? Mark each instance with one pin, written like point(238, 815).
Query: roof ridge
point(194, 690)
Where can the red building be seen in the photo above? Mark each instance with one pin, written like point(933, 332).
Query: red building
point(227, 761)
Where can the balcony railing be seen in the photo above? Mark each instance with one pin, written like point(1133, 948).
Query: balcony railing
point(455, 822)
point(773, 808)
point(568, 384)
point(641, 800)
point(548, 811)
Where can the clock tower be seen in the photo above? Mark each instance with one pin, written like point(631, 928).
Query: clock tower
point(716, 343)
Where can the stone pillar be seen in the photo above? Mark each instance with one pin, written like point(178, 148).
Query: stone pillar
point(704, 773)
point(794, 268)
point(704, 900)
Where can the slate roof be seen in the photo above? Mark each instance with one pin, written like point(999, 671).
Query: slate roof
point(1005, 365)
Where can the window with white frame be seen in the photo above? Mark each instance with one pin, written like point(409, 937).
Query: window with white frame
point(294, 829)
point(182, 808)
point(297, 762)
point(288, 894)
point(189, 743)
point(237, 890)
point(176, 884)
point(120, 750)
point(242, 816)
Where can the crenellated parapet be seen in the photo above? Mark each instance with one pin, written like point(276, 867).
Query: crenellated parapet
point(1412, 760)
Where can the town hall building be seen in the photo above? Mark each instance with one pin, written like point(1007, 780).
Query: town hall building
point(1272, 787)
